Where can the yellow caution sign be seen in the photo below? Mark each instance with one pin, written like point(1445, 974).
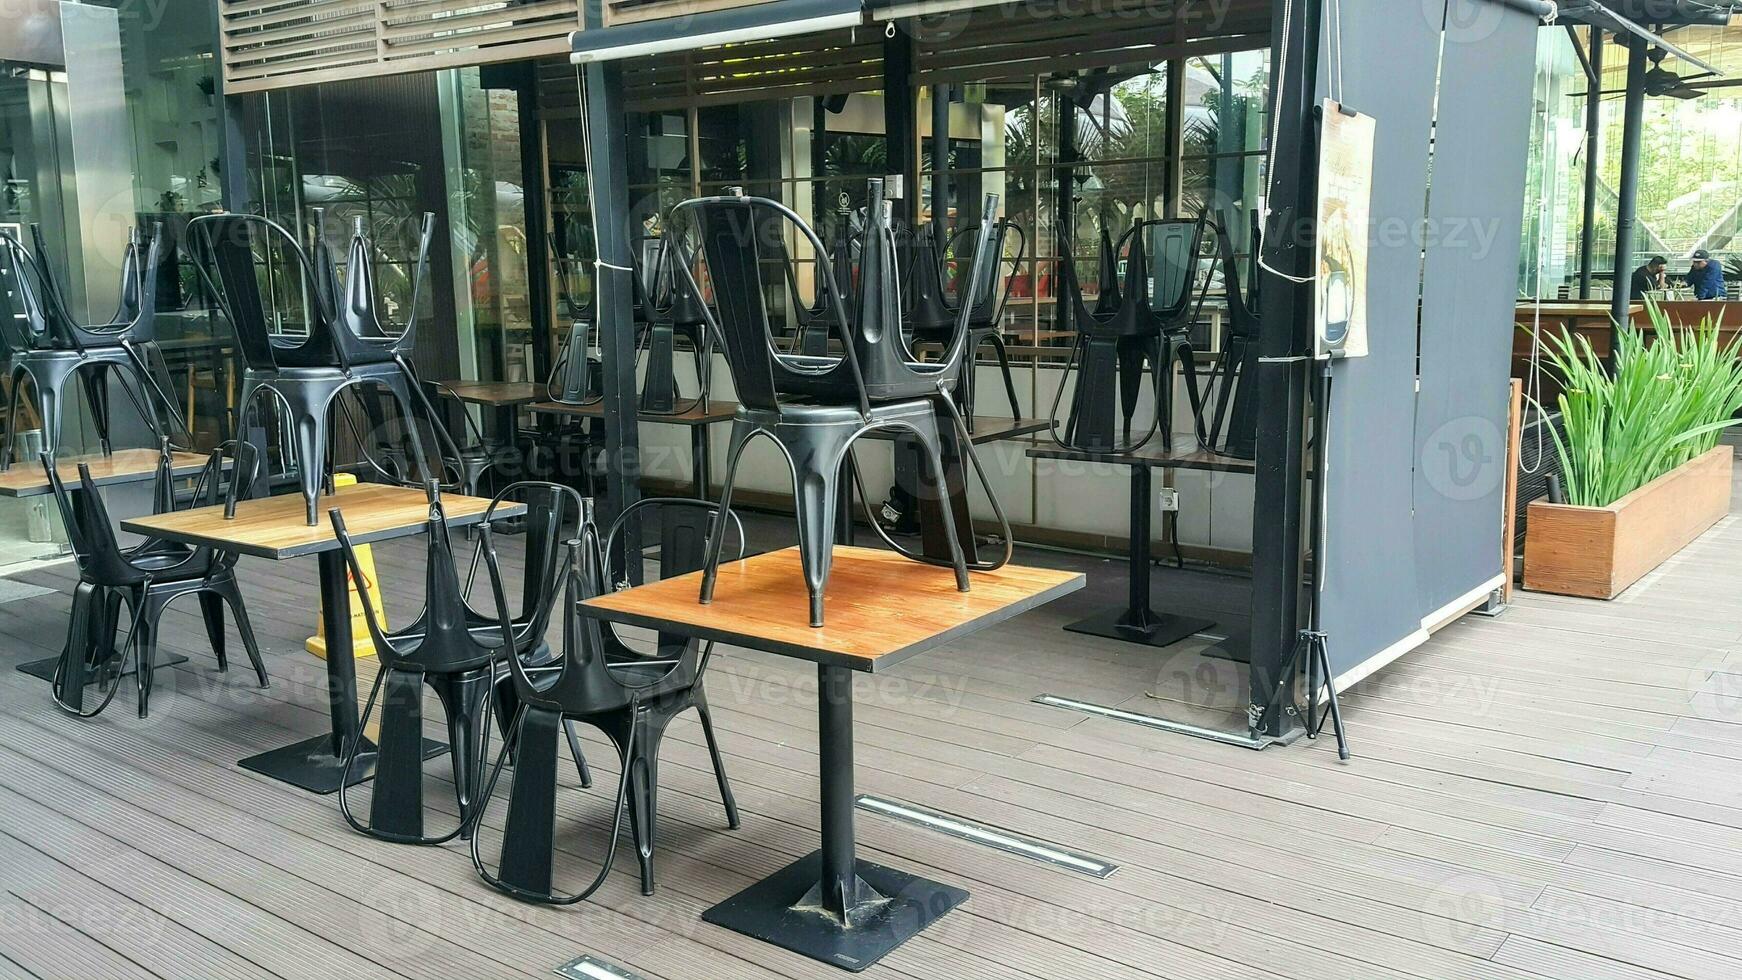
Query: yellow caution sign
point(362, 644)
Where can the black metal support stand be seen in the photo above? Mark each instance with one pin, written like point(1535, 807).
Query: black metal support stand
point(317, 764)
point(44, 668)
point(830, 905)
point(1627, 191)
point(1137, 622)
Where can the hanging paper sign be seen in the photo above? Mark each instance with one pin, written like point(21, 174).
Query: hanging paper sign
point(1345, 201)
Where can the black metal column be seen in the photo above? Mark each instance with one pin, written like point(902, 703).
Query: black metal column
point(1065, 207)
point(538, 252)
point(840, 877)
point(1627, 209)
point(1593, 143)
point(940, 161)
point(1284, 346)
point(900, 127)
point(608, 156)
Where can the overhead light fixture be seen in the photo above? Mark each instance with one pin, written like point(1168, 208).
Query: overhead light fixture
point(993, 837)
point(732, 25)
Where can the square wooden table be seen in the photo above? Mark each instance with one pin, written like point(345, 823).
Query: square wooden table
point(882, 609)
point(276, 528)
point(25, 478)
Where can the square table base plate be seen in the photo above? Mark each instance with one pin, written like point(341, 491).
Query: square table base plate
point(310, 764)
point(1162, 629)
point(45, 667)
point(764, 911)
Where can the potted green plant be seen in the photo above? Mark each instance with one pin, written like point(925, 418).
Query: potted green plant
point(1642, 469)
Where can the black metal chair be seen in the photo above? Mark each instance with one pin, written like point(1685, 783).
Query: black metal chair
point(814, 320)
point(1232, 428)
point(147, 577)
point(677, 311)
point(48, 348)
point(1113, 350)
point(602, 682)
point(258, 271)
point(986, 311)
point(815, 408)
point(454, 650)
point(1177, 244)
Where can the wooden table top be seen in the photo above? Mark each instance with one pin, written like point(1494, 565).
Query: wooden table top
point(275, 527)
point(1152, 456)
point(26, 478)
point(713, 411)
point(881, 608)
point(497, 393)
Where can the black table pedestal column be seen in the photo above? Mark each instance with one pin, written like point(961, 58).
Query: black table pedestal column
point(830, 905)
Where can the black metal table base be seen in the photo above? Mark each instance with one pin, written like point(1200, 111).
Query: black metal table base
point(1150, 628)
point(785, 909)
point(44, 668)
point(310, 764)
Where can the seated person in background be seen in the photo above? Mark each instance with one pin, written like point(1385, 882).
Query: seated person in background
point(1706, 276)
point(1650, 277)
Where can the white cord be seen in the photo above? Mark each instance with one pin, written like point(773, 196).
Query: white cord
point(1533, 375)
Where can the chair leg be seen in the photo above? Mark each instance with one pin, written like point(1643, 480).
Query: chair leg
point(815, 481)
point(643, 774)
point(13, 386)
point(212, 611)
point(396, 808)
point(726, 797)
point(582, 770)
point(311, 455)
point(935, 487)
point(95, 382)
point(462, 697)
point(230, 591)
point(998, 348)
point(741, 434)
point(145, 656)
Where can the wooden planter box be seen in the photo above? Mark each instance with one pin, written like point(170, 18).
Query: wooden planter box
point(1597, 552)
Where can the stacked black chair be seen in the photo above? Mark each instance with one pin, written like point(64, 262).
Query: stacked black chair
point(454, 650)
point(677, 312)
point(986, 310)
point(48, 348)
point(343, 343)
point(598, 681)
point(1113, 350)
point(147, 578)
point(1177, 243)
point(815, 320)
point(814, 408)
point(1233, 426)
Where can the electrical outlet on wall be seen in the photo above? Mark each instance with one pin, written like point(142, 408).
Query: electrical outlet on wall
point(1169, 499)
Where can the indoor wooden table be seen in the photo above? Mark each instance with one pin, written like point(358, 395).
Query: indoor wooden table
point(26, 478)
point(697, 418)
point(502, 398)
point(1137, 621)
point(276, 528)
point(881, 610)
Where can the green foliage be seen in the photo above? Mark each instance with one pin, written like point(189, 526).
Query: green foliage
point(1664, 404)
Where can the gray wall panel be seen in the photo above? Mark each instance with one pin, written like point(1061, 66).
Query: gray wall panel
point(1370, 592)
point(1475, 221)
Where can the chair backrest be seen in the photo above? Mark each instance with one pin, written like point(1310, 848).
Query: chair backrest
point(446, 640)
point(986, 285)
point(736, 232)
point(1242, 321)
point(884, 360)
point(1108, 296)
point(360, 330)
point(927, 309)
point(24, 323)
point(1173, 245)
point(235, 254)
point(89, 531)
point(1132, 317)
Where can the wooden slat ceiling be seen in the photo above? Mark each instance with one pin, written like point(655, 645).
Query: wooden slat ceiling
point(997, 43)
point(271, 44)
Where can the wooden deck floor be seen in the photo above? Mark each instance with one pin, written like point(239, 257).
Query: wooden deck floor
point(1551, 794)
